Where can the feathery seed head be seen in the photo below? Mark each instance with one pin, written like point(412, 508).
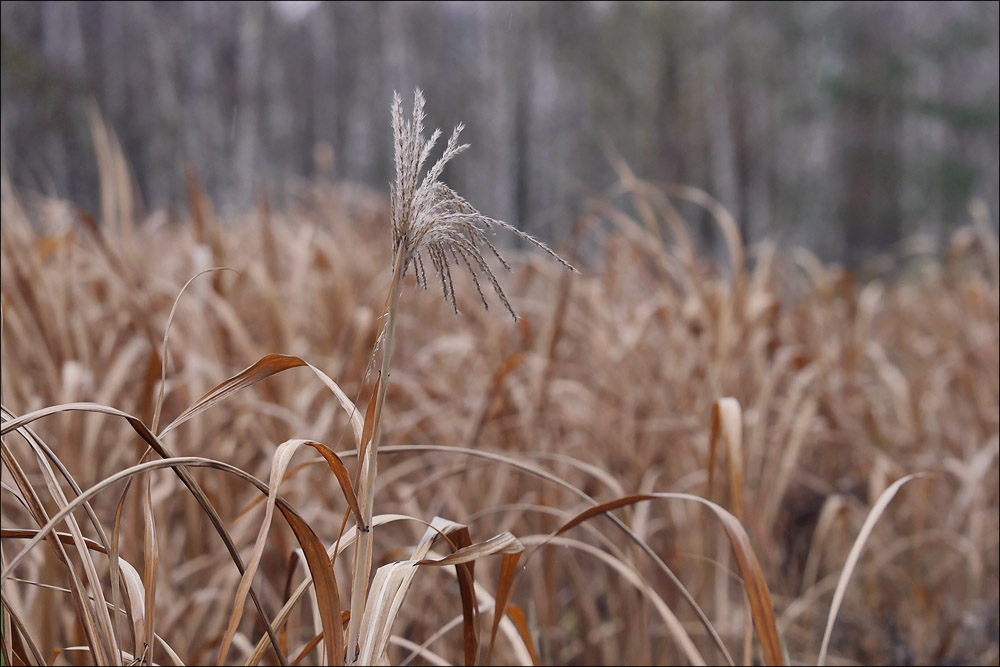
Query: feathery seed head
point(431, 222)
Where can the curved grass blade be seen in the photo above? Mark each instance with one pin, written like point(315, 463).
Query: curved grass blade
point(631, 576)
point(762, 609)
point(282, 457)
point(20, 634)
point(41, 516)
point(516, 614)
point(188, 480)
point(315, 553)
point(129, 576)
point(166, 337)
point(508, 570)
point(269, 365)
point(855, 555)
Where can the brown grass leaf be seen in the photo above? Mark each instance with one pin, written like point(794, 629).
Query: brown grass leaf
point(753, 577)
point(881, 503)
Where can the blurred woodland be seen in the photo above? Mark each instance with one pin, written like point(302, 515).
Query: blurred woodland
point(841, 126)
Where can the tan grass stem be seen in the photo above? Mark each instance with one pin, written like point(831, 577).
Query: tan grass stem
point(369, 466)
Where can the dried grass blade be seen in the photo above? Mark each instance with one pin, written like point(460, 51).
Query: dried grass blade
point(855, 555)
point(129, 575)
point(415, 649)
point(158, 405)
point(41, 517)
point(140, 428)
point(346, 541)
point(508, 570)
point(307, 649)
point(316, 556)
point(516, 615)
point(40, 446)
point(465, 574)
point(47, 458)
point(113, 552)
point(630, 575)
point(389, 588)
point(504, 543)
point(29, 653)
point(727, 425)
point(327, 592)
point(282, 457)
point(369, 425)
point(343, 476)
point(135, 590)
point(269, 365)
point(47, 530)
point(730, 229)
point(834, 506)
point(789, 457)
point(392, 582)
point(753, 576)
point(151, 563)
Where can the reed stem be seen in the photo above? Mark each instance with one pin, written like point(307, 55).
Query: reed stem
point(369, 466)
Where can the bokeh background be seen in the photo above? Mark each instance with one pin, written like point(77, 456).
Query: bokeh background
point(843, 127)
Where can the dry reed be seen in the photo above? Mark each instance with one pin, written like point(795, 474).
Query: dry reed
point(791, 393)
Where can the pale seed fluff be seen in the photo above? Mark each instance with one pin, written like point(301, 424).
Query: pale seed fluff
point(433, 223)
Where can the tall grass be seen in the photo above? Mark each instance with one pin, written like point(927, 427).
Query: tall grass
point(663, 460)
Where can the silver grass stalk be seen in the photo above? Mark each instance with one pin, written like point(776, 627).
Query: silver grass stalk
point(431, 224)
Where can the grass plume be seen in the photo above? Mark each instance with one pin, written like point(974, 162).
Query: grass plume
point(431, 220)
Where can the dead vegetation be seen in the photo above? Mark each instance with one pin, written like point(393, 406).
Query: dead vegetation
point(797, 396)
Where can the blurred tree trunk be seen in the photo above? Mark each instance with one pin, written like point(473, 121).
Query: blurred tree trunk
point(719, 114)
point(869, 118)
point(248, 65)
point(62, 46)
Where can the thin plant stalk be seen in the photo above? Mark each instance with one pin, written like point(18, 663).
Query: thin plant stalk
point(428, 219)
point(363, 553)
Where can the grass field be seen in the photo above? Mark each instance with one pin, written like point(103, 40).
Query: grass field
point(791, 393)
